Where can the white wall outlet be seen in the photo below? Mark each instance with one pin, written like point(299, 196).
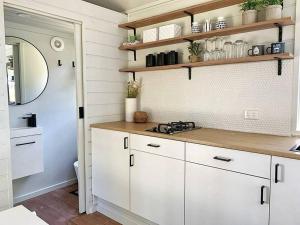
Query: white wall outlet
point(251, 115)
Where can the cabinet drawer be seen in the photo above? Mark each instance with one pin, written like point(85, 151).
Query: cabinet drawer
point(26, 156)
point(238, 161)
point(159, 146)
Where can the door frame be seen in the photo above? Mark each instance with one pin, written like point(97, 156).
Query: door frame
point(79, 71)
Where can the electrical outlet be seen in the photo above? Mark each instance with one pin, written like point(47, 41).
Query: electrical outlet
point(251, 115)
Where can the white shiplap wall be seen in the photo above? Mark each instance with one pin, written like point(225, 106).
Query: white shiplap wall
point(5, 177)
point(103, 84)
point(217, 96)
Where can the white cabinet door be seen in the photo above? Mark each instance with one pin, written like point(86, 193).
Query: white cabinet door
point(220, 197)
point(110, 166)
point(157, 188)
point(285, 195)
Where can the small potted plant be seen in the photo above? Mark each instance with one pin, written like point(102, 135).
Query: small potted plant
point(131, 100)
point(249, 8)
point(273, 9)
point(195, 50)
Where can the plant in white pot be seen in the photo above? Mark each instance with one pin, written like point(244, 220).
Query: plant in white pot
point(273, 9)
point(131, 100)
point(249, 8)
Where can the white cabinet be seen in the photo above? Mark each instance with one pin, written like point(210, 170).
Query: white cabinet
point(285, 196)
point(26, 152)
point(110, 166)
point(157, 188)
point(219, 197)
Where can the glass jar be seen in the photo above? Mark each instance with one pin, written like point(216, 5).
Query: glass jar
point(228, 48)
point(239, 49)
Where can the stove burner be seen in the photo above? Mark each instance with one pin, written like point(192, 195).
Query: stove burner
point(174, 127)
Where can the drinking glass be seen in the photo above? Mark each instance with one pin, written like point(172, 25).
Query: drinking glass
point(228, 48)
point(246, 48)
point(206, 53)
point(239, 48)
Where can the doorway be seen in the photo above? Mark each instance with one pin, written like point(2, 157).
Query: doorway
point(50, 49)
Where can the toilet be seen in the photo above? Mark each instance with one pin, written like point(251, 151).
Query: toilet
point(76, 166)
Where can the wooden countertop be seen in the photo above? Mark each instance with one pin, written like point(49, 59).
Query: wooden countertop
point(257, 143)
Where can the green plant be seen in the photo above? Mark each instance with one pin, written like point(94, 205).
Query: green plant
point(195, 48)
point(273, 2)
point(251, 5)
point(132, 89)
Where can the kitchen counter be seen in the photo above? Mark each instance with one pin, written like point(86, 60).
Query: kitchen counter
point(249, 142)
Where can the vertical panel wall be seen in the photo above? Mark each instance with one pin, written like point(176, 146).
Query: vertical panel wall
point(103, 84)
point(5, 174)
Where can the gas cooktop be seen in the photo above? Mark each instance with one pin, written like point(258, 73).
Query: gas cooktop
point(173, 127)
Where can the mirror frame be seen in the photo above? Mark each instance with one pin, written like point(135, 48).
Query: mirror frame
point(8, 36)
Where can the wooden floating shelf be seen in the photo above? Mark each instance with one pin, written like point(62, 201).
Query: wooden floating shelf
point(211, 63)
point(192, 10)
point(224, 32)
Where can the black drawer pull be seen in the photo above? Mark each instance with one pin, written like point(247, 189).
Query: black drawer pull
point(262, 201)
point(131, 160)
point(28, 143)
point(276, 173)
point(153, 145)
point(220, 158)
point(125, 142)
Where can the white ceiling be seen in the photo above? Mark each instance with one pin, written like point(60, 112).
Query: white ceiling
point(120, 5)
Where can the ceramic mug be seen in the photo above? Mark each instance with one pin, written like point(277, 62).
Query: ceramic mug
point(256, 50)
point(276, 48)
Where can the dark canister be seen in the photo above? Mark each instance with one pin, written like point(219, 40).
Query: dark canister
point(150, 60)
point(256, 50)
point(276, 48)
point(172, 58)
point(161, 59)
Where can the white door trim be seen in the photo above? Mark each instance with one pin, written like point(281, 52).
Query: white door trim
point(80, 95)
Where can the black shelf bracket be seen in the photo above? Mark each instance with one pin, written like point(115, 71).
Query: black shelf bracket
point(279, 31)
point(189, 40)
point(279, 66)
point(132, 28)
point(133, 75)
point(134, 32)
point(134, 54)
point(190, 71)
point(191, 15)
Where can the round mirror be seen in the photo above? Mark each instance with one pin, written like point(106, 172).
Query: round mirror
point(27, 71)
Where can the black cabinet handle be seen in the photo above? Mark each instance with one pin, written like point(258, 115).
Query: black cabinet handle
point(28, 143)
point(262, 201)
point(125, 142)
point(276, 173)
point(220, 158)
point(153, 145)
point(131, 160)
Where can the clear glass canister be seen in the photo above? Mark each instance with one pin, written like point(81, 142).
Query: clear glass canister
point(239, 48)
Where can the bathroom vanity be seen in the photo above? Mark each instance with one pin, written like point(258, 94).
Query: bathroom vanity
point(26, 151)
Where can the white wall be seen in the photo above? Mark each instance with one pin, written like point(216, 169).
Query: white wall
point(101, 59)
point(55, 109)
point(217, 96)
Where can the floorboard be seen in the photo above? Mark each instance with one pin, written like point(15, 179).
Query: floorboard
point(60, 207)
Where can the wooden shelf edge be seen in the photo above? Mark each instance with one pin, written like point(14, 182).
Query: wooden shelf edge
point(224, 32)
point(283, 56)
point(195, 9)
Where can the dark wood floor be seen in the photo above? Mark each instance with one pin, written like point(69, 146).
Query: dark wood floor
point(60, 207)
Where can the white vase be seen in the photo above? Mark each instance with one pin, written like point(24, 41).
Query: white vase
point(130, 109)
point(273, 12)
point(249, 16)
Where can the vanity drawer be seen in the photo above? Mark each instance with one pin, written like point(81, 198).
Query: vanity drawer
point(26, 156)
point(159, 146)
point(233, 160)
